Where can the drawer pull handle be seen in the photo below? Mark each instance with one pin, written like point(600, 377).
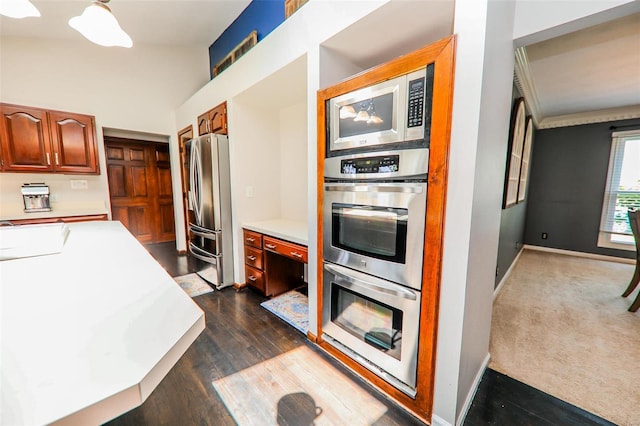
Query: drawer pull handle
point(251, 258)
point(296, 254)
point(251, 240)
point(271, 246)
point(252, 278)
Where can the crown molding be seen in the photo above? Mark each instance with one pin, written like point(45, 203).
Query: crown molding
point(524, 81)
point(600, 116)
point(525, 84)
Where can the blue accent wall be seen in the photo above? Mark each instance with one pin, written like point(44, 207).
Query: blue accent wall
point(261, 15)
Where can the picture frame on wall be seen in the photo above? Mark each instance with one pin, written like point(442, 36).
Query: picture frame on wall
point(526, 160)
point(514, 154)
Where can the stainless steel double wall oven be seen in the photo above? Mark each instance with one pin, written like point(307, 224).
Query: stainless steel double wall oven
point(374, 213)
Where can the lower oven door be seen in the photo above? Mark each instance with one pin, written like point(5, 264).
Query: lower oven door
point(373, 321)
point(376, 228)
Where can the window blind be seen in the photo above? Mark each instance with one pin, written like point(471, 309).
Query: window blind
point(622, 190)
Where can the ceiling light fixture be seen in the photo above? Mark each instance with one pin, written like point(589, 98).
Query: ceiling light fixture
point(18, 9)
point(99, 26)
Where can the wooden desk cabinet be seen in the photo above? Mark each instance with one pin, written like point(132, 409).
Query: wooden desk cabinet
point(273, 266)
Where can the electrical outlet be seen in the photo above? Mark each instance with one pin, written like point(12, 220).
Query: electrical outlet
point(79, 184)
point(544, 235)
point(248, 191)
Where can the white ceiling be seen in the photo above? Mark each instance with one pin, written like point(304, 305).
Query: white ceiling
point(192, 23)
point(587, 76)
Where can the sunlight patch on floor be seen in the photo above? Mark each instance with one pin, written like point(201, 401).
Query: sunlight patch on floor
point(295, 387)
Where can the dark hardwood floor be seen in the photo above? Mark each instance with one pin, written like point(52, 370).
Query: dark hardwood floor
point(240, 334)
point(501, 400)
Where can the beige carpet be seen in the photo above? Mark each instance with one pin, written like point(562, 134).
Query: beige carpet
point(560, 325)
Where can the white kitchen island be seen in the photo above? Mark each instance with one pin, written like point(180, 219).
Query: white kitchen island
point(87, 334)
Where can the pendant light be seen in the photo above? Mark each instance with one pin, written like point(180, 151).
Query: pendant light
point(99, 26)
point(18, 9)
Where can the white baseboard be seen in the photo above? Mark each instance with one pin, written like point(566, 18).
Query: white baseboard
point(582, 254)
point(472, 391)
point(506, 275)
point(439, 421)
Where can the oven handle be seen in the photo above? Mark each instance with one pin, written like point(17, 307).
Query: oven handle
point(407, 189)
point(349, 281)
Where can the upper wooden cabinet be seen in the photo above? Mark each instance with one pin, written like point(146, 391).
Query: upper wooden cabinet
point(39, 141)
point(213, 121)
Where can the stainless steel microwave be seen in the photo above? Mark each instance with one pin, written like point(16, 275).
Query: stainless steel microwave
point(395, 112)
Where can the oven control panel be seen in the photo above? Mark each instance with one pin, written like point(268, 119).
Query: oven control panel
point(378, 164)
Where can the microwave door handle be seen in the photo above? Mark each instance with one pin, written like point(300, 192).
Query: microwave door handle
point(353, 283)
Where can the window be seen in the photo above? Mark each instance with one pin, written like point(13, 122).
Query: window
point(622, 191)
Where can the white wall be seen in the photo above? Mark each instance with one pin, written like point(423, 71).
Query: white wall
point(481, 108)
point(293, 162)
point(133, 89)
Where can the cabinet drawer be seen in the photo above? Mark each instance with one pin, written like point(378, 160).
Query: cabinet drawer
point(293, 251)
point(254, 277)
point(253, 239)
point(253, 257)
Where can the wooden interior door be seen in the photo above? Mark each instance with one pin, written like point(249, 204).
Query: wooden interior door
point(139, 179)
point(183, 136)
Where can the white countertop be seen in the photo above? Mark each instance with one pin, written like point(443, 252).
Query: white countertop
point(88, 333)
point(290, 230)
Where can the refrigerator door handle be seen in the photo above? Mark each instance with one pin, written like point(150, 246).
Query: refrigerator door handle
point(196, 182)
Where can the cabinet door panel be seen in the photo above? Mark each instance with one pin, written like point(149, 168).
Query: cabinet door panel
point(117, 180)
point(121, 214)
point(25, 140)
point(203, 124)
point(218, 119)
point(167, 223)
point(139, 181)
point(139, 225)
point(73, 140)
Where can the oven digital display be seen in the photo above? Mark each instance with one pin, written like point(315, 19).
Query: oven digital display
point(379, 164)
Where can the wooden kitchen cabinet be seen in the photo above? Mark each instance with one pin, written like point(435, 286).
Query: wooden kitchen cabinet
point(213, 121)
point(42, 141)
point(74, 143)
point(273, 266)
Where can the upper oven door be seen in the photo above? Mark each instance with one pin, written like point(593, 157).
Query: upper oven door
point(376, 228)
point(374, 115)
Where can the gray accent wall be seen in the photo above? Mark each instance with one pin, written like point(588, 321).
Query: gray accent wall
point(567, 181)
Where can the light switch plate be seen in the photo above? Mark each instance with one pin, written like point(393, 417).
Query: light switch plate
point(79, 184)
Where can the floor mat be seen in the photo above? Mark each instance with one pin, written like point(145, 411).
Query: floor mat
point(292, 307)
point(193, 285)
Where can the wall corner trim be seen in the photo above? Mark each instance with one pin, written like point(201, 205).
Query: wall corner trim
point(439, 421)
point(472, 391)
point(507, 274)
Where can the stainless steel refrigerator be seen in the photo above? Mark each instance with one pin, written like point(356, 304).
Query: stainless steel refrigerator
point(209, 195)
